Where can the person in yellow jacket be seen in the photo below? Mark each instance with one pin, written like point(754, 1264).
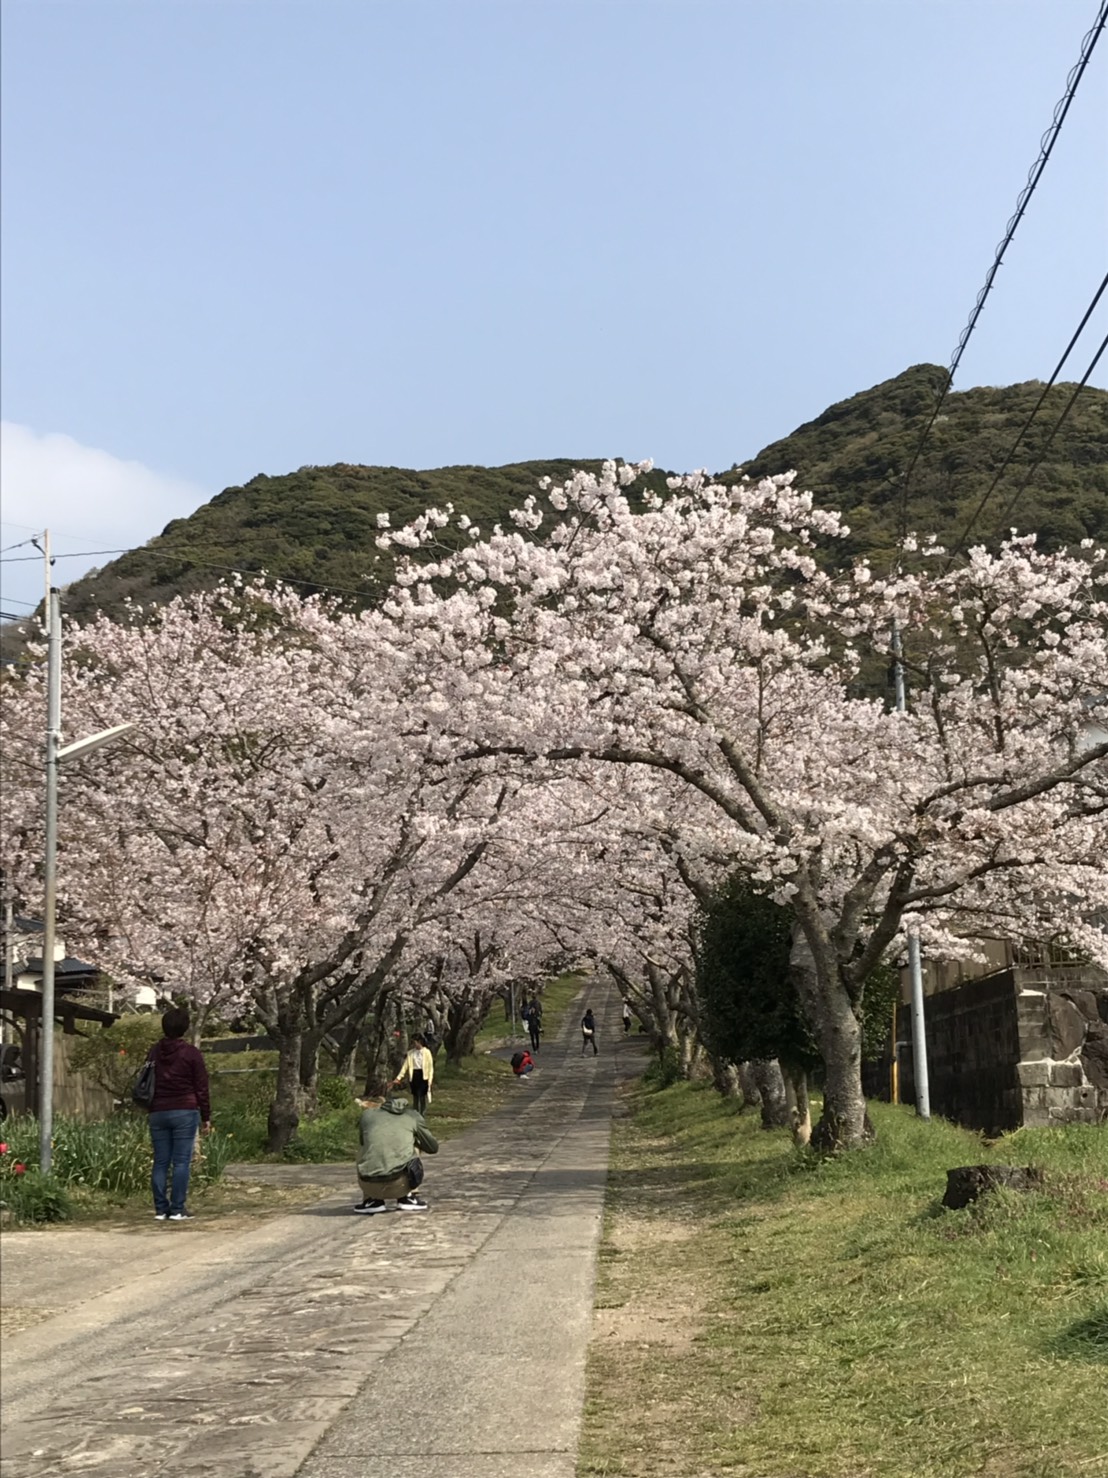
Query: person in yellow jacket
point(418, 1072)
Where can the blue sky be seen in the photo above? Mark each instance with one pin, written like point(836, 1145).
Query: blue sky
point(241, 237)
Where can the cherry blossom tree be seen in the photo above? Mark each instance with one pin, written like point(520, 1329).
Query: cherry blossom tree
point(707, 636)
point(274, 837)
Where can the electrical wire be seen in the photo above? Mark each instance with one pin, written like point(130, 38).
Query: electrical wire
point(1077, 389)
point(199, 564)
point(1046, 146)
point(77, 554)
point(977, 512)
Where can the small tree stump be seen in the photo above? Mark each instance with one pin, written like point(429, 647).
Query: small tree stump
point(970, 1181)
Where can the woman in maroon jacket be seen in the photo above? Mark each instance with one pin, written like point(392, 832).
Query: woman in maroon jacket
point(179, 1108)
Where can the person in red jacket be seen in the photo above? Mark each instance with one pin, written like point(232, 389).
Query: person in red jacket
point(179, 1108)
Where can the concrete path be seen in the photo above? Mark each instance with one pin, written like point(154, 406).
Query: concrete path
point(328, 1345)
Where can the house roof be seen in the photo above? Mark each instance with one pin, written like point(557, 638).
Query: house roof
point(68, 966)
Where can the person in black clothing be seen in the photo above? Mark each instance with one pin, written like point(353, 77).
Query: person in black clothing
point(534, 1022)
point(588, 1033)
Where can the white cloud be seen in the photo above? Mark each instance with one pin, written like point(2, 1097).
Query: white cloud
point(87, 498)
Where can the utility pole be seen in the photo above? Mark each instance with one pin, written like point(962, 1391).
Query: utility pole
point(50, 864)
point(55, 755)
point(9, 961)
point(915, 970)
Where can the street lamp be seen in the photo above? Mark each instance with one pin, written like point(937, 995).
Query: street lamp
point(56, 754)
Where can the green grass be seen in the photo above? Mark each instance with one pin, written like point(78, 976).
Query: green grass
point(829, 1319)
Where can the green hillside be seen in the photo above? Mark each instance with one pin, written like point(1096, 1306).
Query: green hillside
point(317, 526)
point(855, 456)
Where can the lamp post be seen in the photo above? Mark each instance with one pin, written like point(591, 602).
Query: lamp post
point(56, 754)
point(915, 970)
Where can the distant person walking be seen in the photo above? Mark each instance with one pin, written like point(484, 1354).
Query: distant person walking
point(180, 1107)
point(418, 1072)
point(626, 1017)
point(534, 1022)
point(390, 1134)
point(588, 1033)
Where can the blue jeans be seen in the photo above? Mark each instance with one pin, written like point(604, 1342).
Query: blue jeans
point(173, 1134)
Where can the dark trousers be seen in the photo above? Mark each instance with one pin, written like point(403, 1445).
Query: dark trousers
point(419, 1093)
point(534, 1029)
point(586, 1038)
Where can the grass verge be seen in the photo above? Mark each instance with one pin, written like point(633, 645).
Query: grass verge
point(764, 1314)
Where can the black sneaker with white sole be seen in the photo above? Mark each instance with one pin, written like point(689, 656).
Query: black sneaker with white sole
point(370, 1208)
point(411, 1203)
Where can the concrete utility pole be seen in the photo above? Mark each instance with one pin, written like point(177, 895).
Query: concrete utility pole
point(50, 871)
point(9, 961)
point(55, 755)
point(915, 970)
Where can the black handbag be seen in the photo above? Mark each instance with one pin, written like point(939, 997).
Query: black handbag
point(414, 1171)
point(142, 1090)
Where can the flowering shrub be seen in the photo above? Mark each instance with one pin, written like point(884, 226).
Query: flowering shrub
point(32, 1197)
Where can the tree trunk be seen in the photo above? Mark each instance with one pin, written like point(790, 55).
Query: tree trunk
point(308, 1099)
point(377, 1044)
point(725, 1078)
point(771, 1089)
point(748, 1082)
point(284, 1115)
point(688, 1055)
point(844, 1123)
point(799, 1106)
point(462, 1025)
point(342, 1047)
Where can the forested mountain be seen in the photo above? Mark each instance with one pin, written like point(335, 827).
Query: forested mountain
point(854, 457)
point(317, 526)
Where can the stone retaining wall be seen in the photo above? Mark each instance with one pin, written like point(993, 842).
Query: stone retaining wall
point(1025, 1046)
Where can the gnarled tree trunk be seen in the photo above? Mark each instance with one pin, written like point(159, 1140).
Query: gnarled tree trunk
point(838, 1031)
point(771, 1092)
point(725, 1077)
point(748, 1082)
point(463, 1023)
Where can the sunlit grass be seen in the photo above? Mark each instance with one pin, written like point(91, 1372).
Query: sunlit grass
point(839, 1321)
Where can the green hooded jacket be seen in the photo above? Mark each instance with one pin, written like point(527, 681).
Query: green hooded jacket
point(390, 1136)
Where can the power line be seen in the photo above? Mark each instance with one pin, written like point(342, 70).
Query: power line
point(1077, 389)
point(1046, 146)
point(960, 543)
point(77, 554)
point(198, 564)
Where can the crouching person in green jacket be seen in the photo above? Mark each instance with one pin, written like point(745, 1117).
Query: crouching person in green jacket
point(392, 1134)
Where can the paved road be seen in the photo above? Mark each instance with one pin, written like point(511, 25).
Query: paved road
point(326, 1345)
